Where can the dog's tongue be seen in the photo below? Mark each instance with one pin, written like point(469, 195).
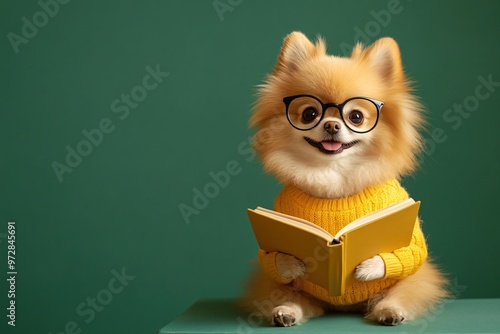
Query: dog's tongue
point(331, 145)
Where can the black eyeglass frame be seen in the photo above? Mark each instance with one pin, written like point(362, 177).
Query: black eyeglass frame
point(379, 104)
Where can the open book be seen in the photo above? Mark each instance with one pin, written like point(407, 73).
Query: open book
point(331, 259)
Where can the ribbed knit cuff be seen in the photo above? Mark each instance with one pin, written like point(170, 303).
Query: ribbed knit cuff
point(268, 263)
point(393, 267)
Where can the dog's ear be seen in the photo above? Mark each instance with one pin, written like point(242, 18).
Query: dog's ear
point(384, 56)
point(296, 49)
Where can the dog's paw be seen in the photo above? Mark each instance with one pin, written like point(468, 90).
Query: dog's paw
point(370, 269)
point(285, 316)
point(289, 266)
point(389, 316)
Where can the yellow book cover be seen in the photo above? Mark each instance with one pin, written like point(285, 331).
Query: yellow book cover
point(331, 259)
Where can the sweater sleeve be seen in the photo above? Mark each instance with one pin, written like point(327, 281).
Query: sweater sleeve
point(268, 263)
point(406, 261)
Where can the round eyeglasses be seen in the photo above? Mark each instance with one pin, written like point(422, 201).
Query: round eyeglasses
point(359, 114)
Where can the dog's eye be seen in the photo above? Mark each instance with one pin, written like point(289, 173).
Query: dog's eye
point(356, 117)
point(309, 114)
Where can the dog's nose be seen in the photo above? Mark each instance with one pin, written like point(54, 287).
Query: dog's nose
point(332, 127)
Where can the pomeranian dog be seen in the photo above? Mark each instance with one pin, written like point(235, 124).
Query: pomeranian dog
point(339, 133)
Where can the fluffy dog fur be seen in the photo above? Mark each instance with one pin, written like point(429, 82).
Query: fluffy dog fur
point(387, 152)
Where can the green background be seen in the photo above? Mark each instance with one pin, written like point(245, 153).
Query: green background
point(119, 208)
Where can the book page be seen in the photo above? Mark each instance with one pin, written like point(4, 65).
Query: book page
point(298, 222)
point(373, 216)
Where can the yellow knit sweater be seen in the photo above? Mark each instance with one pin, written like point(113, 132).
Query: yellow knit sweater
point(332, 215)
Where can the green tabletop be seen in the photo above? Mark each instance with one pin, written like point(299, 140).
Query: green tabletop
point(451, 316)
